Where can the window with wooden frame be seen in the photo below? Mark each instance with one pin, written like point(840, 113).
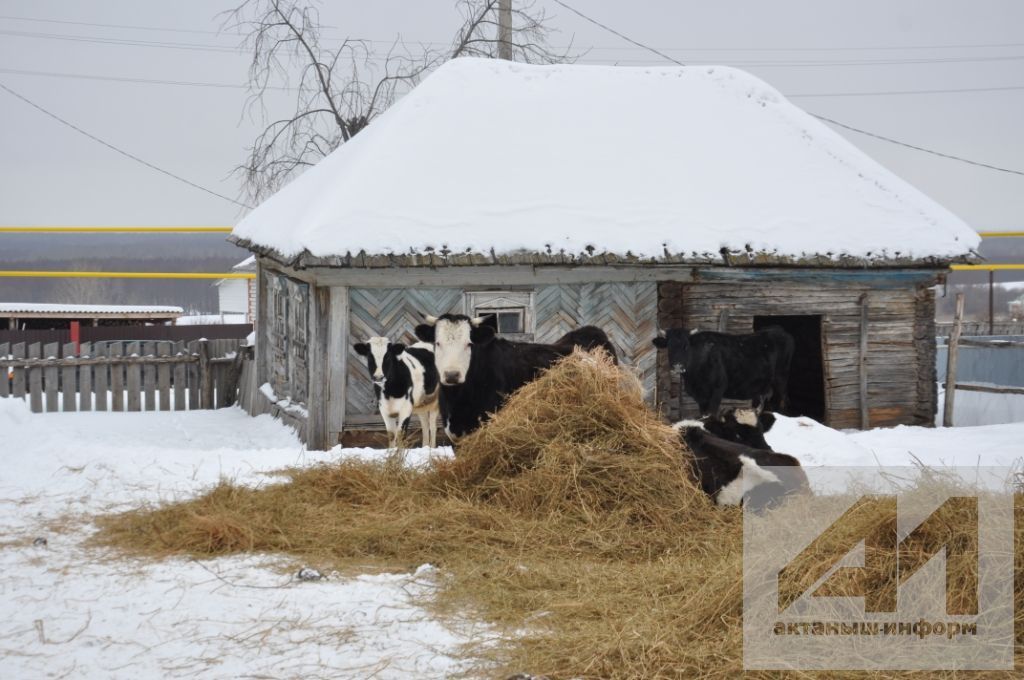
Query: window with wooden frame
point(510, 313)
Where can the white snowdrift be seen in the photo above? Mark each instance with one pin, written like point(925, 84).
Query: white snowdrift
point(72, 611)
point(486, 154)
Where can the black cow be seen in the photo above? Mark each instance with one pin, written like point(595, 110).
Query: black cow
point(719, 365)
point(735, 474)
point(478, 370)
point(405, 382)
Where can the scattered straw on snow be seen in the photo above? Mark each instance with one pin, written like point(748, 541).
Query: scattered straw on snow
point(568, 522)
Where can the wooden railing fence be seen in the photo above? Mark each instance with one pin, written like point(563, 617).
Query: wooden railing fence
point(122, 376)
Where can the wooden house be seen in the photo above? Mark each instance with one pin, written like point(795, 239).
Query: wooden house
point(520, 191)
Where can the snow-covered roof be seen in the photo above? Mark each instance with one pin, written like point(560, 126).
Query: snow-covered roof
point(666, 164)
point(246, 265)
point(24, 309)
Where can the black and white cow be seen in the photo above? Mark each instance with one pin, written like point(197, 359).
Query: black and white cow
point(405, 382)
point(732, 473)
point(478, 370)
point(714, 366)
point(741, 425)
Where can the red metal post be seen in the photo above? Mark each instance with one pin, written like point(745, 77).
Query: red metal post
point(75, 336)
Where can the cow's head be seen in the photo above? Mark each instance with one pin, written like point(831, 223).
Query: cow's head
point(453, 336)
point(746, 426)
point(677, 342)
point(380, 355)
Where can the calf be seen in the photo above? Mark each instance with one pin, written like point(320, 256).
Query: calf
point(734, 474)
point(741, 425)
point(714, 366)
point(405, 382)
point(478, 370)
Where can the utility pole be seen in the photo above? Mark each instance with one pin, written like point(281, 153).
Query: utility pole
point(505, 29)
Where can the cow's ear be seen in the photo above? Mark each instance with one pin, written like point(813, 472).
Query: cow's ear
point(660, 342)
point(767, 420)
point(425, 332)
point(481, 335)
point(396, 348)
point(362, 348)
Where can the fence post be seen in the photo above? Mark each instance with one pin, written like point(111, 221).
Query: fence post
point(862, 362)
point(205, 376)
point(951, 357)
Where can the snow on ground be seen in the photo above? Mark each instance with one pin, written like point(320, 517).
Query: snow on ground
point(68, 610)
point(814, 444)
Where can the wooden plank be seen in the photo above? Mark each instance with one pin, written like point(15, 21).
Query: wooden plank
point(337, 355)
point(5, 381)
point(149, 376)
point(141, 361)
point(18, 385)
point(862, 362)
point(990, 389)
point(69, 382)
point(319, 322)
point(117, 377)
point(163, 376)
point(35, 380)
point(85, 379)
point(951, 360)
point(101, 375)
point(134, 378)
point(51, 378)
point(205, 376)
point(180, 379)
point(193, 378)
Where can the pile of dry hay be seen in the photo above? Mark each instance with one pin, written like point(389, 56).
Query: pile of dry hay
point(568, 516)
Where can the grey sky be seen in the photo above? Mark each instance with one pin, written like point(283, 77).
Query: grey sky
point(52, 175)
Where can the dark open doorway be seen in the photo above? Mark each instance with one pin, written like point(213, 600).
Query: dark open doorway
point(806, 394)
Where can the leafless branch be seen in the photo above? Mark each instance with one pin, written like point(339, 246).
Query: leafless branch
point(340, 89)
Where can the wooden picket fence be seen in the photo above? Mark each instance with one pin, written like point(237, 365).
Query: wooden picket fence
point(122, 376)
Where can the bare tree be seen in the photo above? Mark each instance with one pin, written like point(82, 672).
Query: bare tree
point(340, 88)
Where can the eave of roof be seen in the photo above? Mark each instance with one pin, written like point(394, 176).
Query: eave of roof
point(724, 258)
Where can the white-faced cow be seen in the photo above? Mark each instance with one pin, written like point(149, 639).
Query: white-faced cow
point(478, 370)
point(405, 382)
point(714, 366)
point(732, 473)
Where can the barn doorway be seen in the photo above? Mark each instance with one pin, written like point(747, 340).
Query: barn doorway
point(807, 370)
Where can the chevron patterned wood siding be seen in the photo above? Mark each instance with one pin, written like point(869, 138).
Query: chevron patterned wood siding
point(627, 312)
point(392, 313)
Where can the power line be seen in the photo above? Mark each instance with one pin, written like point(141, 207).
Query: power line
point(898, 92)
point(912, 146)
point(190, 83)
point(819, 117)
point(830, 48)
point(119, 150)
point(125, 79)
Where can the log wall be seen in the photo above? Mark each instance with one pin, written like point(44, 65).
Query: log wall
point(900, 356)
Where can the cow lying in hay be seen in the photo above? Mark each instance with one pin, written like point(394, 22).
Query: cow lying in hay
point(479, 370)
point(730, 457)
point(405, 382)
point(718, 366)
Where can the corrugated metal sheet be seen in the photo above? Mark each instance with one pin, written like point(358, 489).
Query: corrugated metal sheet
point(52, 308)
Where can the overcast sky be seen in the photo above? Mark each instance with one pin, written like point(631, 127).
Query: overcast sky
point(52, 175)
